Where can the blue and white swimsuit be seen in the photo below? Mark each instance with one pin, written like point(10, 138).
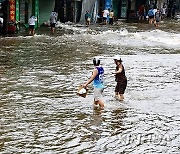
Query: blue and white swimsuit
point(98, 81)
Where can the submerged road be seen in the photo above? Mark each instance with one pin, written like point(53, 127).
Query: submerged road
point(39, 76)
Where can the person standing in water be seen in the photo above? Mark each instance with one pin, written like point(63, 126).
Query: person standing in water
point(53, 20)
point(32, 23)
point(111, 17)
point(98, 83)
point(173, 9)
point(151, 16)
point(157, 18)
point(120, 78)
point(87, 18)
point(105, 16)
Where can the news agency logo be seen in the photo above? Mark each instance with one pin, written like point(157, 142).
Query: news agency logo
point(140, 138)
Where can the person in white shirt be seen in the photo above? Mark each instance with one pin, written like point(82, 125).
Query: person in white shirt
point(155, 10)
point(105, 15)
point(164, 11)
point(1, 24)
point(1, 21)
point(53, 20)
point(32, 23)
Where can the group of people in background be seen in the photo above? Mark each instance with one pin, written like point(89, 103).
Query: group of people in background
point(154, 14)
point(107, 16)
point(33, 19)
point(150, 12)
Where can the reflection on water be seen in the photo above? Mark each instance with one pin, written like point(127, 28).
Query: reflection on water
point(41, 113)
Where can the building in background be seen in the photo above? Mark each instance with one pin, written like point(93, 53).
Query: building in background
point(96, 7)
point(39, 8)
point(69, 10)
point(4, 13)
point(17, 12)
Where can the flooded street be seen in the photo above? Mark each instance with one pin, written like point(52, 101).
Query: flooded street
point(39, 76)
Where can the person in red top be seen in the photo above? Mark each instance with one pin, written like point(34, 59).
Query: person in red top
point(141, 12)
point(120, 78)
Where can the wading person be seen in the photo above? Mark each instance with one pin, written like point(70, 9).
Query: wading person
point(98, 83)
point(32, 22)
point(87, 18)
point(157, 18)
point(151, 16)
point(1, 24)
point(1, 21)
point(164, 10)
point(141, 12)
point(173, 10)
point(105, 16)
point(111, 17)
point(120, 78)
point(53, 20)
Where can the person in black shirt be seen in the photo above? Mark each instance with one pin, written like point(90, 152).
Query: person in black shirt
point(120, 78)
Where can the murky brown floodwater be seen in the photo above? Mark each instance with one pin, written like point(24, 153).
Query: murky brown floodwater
point(41, 113)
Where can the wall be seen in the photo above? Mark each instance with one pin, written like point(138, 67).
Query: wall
point(23, 12)
point(87, 5)
point(116, 8)
point(77, 11)
point(45, 9)
point(178, 4)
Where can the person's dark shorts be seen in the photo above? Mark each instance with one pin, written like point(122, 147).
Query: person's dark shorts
point(121, 87)
point(31, 27)
point(53, 25)
point(104, 18)
point(151, 17)
point(158, 20)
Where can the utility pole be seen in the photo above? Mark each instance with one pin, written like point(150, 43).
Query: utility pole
point(156, 3)
point(65, 11)
point(5, 9)
point(170, 4)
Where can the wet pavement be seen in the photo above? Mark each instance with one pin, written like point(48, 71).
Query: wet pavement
point(39, 77)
